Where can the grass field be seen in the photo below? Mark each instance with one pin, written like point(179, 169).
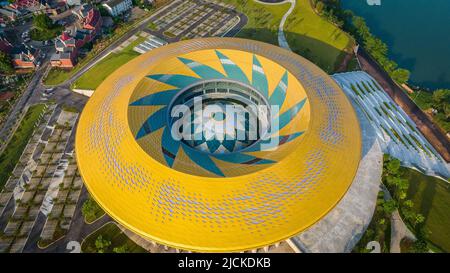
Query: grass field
point(431, 198)
point(91, 211)
point(424, 100)
point(315, 38)
point(98, 73)
point(117, 238)
point(12, 152)
point(307, 33)
point(263, 20)
point(56, 76)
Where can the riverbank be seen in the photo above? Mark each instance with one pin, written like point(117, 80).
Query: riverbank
point(306, 32)
point(416, 35)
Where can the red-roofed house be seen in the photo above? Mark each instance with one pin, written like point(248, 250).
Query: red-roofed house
point(67, 45)
point(66, 51)
point(24, 57)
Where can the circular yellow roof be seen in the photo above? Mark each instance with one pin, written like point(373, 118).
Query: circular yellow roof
point(211, 195)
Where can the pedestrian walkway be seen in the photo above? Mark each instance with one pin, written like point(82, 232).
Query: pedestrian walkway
point(399, 230)
point(397, 133)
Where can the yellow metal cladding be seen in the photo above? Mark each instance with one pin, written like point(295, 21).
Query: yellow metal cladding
point(188, 207)
point(151, 143)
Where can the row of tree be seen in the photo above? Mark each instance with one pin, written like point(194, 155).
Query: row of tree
point(6, 66)
point(357, 27)
point(102, 245)
point(441, 102)
point(398, 186)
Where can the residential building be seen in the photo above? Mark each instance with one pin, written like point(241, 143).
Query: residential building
point(73, 2)
point(8, 14)
point(54, 7)
point(5, 45)
point(24, 56)
point(117, 7)
point(67, 45)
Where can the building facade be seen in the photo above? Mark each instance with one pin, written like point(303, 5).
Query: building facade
point(216, 190)
point(117, 7)
point(67, 44)
point(24, 57)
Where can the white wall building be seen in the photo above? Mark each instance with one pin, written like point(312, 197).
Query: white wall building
point(73, 2)
point(117, 7)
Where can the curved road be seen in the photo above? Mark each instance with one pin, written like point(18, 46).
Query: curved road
point(281, 37)
point(282, 42)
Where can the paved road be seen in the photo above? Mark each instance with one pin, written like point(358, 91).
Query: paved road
point(140, 27)
point(78, 231)
point(62, 95)
point(399, 230)
point(282, 42)
point(20, 108)
point(281, 36)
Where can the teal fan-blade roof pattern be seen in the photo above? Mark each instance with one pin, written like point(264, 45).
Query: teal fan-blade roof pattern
point(170, 147)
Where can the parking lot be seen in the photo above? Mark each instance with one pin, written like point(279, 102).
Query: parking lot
point(195, 19)
point(45, 181)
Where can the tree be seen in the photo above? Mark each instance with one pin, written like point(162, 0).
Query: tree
point(401, 75)
point(389, 206)
point(102, 244)
point(408, 203)
point(42, 22)
point(5, 64)
point(362, 30)
point(90, 209)
point(393, 166)
point(408, 214)
point(420, 245)
point(419, 219)
point(121, 249)
point(441, 101)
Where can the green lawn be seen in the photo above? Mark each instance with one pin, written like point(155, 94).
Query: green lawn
point(424, 100)
point(12, 153)
point(56, 76)
point(91, 211)
point(112, 233)
point(263, 20)
point(431, 198)
point(44, 35)
point(98, 73)
point(307, 33)
point(315, 38)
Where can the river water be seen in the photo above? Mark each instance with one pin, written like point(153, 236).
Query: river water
point(417, 33)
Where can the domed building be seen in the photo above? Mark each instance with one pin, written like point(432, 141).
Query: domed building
point(217, 182)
